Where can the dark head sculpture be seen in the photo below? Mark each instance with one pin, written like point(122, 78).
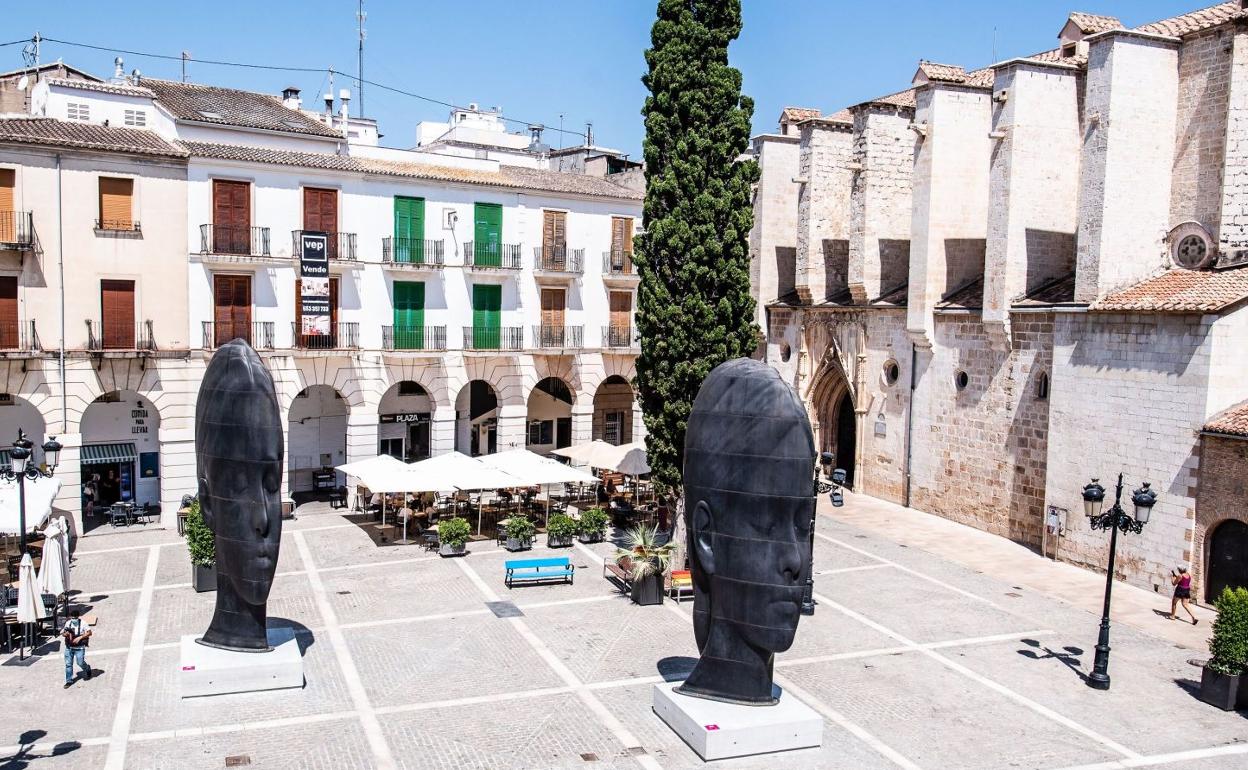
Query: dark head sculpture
point(238, 444)
point(749, 498)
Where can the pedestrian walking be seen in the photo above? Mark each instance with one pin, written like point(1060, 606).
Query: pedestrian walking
point(75, 636)
point(1182, 582)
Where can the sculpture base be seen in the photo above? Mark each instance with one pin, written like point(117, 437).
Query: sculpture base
point(717, 730)
point(210, 671)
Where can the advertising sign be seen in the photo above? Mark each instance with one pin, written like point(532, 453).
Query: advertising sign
point(404, 417)
point(314, 284)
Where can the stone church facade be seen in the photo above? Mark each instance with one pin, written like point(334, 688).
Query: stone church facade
point(996, 284)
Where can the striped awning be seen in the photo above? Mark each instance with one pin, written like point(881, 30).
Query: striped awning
point(94, 454)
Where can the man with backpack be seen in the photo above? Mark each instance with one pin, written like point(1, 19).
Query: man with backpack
point(75, 636)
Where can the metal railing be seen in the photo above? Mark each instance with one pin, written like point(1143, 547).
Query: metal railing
point(617, 263)
point(234, 239)
point(500, 255)
point(618, 337)
point(413, 251)
point(341, 245)
point(16, 229)
point(413, 337)
point(558, 336)
point(258, 334)
point(493, 337)
point(558, 259)
point(110, 335)
point(19, 335)
point(118, 225)
point(344, 335)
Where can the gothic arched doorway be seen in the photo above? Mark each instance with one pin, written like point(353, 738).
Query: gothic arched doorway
point(835, 429)
point(1226, 567)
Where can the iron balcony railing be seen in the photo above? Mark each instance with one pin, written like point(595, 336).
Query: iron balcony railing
point(413, 337)
point(413, 251)
point(258, 334)
point(493, 337)
point(343, 335)
point(341, 245)
point(558, 336)
point(112, 335)
point(118, 225)
point(240, 240)
point(618, 337)
point(500, 255)
point(16, 229)
point(617, 262)
point(558, 259)
point(19, 336)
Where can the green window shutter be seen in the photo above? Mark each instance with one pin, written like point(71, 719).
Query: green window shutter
point(487, 305)
point(488, 235)
point(409, 315)
point(409, 229)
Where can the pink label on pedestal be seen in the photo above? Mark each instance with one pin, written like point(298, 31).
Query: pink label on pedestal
point(188, 668)
point(712, 727)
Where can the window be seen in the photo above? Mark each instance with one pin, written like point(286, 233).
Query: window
point(613, 428)
point(961, 380)
point(542, 432)
point(1042, 387)
point(392, 447)
point(136, 118)
point(410, 388)
point(116, 204)
point(78, 111)
point(786, 352)
point(891, 372)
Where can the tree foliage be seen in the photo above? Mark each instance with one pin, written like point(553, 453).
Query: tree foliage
point(694, 307)
point(1229, 645)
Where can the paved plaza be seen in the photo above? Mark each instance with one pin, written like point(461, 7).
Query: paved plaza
point(914, 661)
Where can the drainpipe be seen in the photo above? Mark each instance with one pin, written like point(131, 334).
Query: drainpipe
point(60, 265)
point(914, 377)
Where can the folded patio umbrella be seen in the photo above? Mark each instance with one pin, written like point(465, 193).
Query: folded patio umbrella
point(39, 495)
point(53, 575)
point(29, 600)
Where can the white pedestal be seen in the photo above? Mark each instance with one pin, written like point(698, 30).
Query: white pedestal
point(210, 671)
point(718, 730)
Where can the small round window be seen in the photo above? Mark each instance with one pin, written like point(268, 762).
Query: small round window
point(785, 352)
point(961, 379)
point(891, 372)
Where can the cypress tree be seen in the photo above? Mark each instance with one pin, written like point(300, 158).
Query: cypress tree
point(694, 308)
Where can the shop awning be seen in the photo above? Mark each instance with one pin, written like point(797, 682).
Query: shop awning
point(94, 454)
point(6, 462)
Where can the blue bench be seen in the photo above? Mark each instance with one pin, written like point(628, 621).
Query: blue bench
point(535, 570)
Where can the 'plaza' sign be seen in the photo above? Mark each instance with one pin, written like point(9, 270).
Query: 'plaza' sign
point(404, 417)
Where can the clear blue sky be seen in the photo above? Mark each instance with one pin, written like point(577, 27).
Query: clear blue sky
point(542, 58)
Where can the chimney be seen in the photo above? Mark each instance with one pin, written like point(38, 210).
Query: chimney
point(344, 98)
point(589, 134)
point(290, 98)
point(119, 71)
point(329, 107)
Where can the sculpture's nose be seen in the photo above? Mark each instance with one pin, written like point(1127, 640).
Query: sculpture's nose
point(792, 560)
point(260, 514)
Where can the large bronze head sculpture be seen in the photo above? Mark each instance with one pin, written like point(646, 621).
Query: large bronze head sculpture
point(238, 445)
point(749, 498)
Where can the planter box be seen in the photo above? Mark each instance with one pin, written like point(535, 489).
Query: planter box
point(558, 542)
point(452, 550)
point(584, 538)
point(648, 590)
point(203, 579)
point(514, 545)
point(1222, 690)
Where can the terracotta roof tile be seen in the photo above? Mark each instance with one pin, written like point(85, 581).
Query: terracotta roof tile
point(1233, 421)
point(1195, 21)
point(50, 132)
point(1180, 291)
point(232, 107)
point(798, 114)
point(106, 88)
point(1056, 291)
point(1091, 23)
point(840, 116)
point(969, 296)
point(942, 73)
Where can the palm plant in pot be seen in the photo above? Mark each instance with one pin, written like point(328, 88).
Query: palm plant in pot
point(452, 535)
point(520, 532)
point(1224, 681)
point(560, 530)
point(593, 525)
point(645, 560)
point(202, 545)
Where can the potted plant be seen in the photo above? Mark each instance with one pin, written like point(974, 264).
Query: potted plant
point(560, 530)
point(645, 561)
point(593, 525)
point(520, 533)
point(452, 535)
point(1224, 681)
point(202, 545)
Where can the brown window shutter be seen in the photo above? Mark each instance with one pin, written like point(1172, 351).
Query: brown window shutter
point(8, 312)
point(621, 308)
point(117, 313)
point(320, 209)
point(552, 308)
point(7, 183)
point(231, 203)
point(621, 234)
point(548, 230)
point(116, 203)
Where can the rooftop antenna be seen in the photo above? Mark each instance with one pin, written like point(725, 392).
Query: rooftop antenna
point(359, 68)
point(994, 44)
point(561, 130)
point(329, 100)
point(589, 134)
point(30, 51)
point(186, 56)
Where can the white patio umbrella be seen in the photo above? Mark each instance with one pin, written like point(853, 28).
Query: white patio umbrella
point(536, 470)
point(39, 495)
point(629, 459)
point(455, 470)
point(53, 575)
point(29, 600)
point(595, 454)
point(382, 474)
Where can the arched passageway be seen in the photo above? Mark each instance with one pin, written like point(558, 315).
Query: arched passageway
point(403, 420)
point(1226, 565)
point(317, 439)
point(476, 419)
point(549, 416)
point(120, 455)
point(835, 419)
point(613, 411)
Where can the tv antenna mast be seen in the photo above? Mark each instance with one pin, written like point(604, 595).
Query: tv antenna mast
point(359, 65)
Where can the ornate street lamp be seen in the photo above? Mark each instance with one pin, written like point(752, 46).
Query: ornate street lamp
point(808, 591)
point(1115, 519)
point(22, 468)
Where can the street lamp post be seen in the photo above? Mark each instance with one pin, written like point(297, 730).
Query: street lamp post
point(1143, 500)
point(22, 468)
point(838, 478)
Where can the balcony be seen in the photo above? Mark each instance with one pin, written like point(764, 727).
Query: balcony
point(558, 261)
point(618, 337)
point(617, 267)
point(110, 335)
point(234, 241)
point(341, 245)
point(343, 335)
point(16, 230)
point(493, 337)
point(547, 337)
point(18, 337)
point(258, 334)
point(492, 256)
point(119, 227)
point(412, 252)
point(413, 338)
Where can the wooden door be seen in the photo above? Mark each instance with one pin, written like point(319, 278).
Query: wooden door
point(409, 229)
point(231, 217)
point(554, 239)
point(320, 214)
point(409, 315)
point(621, 318)
point(10, 335)
point(553, 304)
point(487, 247)
point(316, 340)
point(117, 314)
point(8, 206)
point(487, 305)
point(232, 308)
point(621, 244)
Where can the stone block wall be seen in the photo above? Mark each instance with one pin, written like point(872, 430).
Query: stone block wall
point(882, 470)
point(773, 239)
point(1233, 215)
point(880, 201)
point(1220, 497)
point(1200, 120)
point(823, 204)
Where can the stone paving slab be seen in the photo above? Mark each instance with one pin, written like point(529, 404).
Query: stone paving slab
point(428, 587)
point(110, 571)
point(179, 611)
point(828, 632)
point(332, 745)
point(350, 545)
point(587, 579)
point(69, 755)
point(35, 693)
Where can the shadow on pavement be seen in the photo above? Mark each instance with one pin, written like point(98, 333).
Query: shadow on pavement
point(1067, 656)
point(25, 753)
